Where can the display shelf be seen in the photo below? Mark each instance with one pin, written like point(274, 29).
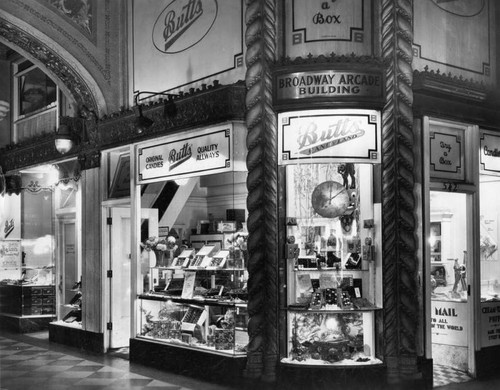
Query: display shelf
point(210, 326)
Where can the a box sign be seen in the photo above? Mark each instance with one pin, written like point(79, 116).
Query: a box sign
point(203, 153)
point(329, 136)
point(447, 153)
point(490, 152)
point(329, 84)
point(490, 324)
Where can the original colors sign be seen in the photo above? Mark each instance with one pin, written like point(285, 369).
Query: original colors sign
point(490, 324)
point(328, 83)
point(204, 152)
point(449, 323)
point(329, 136)
point(490, 152)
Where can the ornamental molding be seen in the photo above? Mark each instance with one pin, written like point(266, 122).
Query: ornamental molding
point(205, 106)
point(333, 58)
point(449, 84)
point(57, 66)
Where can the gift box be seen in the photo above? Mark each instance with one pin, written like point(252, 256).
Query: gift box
point(224, 339)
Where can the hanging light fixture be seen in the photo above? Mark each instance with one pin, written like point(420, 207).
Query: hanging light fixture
point(143, 123)
point(64, 139)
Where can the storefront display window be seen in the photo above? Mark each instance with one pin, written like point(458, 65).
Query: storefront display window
point(193, 244)
point(489, 238)
point(331, 241)
point(27, 248)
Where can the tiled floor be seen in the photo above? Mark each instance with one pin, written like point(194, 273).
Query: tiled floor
point(444, 375)
point(33, 363)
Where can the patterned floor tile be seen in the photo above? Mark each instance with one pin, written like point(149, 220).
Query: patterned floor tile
point(444, 375)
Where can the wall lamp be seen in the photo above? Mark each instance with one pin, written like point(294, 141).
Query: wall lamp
point(64, 139)
point(143, 123)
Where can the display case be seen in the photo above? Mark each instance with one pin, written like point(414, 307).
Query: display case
point(332, 261)
point(197, 306)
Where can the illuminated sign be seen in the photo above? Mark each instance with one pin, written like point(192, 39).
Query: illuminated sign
point(204, 153)
point(329, 136)
point(328, 83)
point(447, 153)
point(490, 152)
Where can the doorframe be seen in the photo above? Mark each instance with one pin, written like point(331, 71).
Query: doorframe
point(106, 261)
point(469, 187)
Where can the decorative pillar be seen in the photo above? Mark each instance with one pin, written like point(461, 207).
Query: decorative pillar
point(399, 245)
point(262, 184)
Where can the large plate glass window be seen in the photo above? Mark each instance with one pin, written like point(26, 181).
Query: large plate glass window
point(193, 241)
point(332, 240)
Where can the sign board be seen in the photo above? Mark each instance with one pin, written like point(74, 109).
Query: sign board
point(10, 254)
point(10, 217)
point(329, 136)
point(489, 152)
point(328, 83)
point(202, 153)
point(179, 43)
point(447, 151)
point(449, 323)
point(316, 26)
point(490, 324)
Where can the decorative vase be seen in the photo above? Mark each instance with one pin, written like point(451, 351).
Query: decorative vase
point(160, 258)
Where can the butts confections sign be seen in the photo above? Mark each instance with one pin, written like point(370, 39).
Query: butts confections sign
point(184, 42)
point(329, 136)
point(490, 152)
point(202, 153)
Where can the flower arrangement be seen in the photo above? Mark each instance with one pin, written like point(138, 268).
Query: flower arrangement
point(237, 241)
point(155, 244)
point(160, 248)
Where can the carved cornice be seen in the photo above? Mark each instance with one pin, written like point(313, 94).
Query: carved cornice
point(399, 241)
point(333, 58)
point(208, 105)
point(55, 64)
point(448, 84)
point(202, 107)
point(262, 184)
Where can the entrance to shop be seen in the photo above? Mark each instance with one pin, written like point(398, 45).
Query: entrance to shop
point(450, 263)
point(120, 267)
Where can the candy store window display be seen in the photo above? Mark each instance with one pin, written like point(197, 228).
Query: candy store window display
point(332, 254)
point(193, 257)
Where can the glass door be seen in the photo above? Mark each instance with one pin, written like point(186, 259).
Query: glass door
point(449, 239)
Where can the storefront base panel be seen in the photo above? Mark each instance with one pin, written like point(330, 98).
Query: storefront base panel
point(196, 364)
point(487, 362)
point(321, 377)
point(79, 338)
point(24, 324)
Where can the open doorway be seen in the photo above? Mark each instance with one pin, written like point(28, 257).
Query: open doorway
point(450, 259)
point(119, 272)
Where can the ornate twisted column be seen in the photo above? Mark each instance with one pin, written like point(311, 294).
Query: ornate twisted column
point(398, 202)
point(262, 186)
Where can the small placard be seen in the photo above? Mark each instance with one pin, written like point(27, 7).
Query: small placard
point(447, 153)
point(490, 153)
point(188, 288)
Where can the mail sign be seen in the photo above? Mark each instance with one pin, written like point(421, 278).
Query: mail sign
point(329, 136)
point(203, 153)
